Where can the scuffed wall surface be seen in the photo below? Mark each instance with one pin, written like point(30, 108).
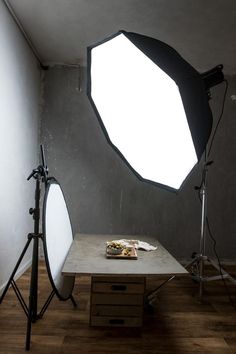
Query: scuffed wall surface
point(103, 196)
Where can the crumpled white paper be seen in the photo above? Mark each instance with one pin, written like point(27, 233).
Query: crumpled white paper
point(137, 244)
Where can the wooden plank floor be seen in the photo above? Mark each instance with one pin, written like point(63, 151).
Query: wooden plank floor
point(177, 324)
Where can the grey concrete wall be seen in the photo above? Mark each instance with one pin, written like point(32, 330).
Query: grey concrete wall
point(103, 196)
point(19, 116)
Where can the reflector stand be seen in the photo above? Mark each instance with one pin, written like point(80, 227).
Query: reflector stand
point(40, 174)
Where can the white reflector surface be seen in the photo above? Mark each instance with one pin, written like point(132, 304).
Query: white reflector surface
point(142, 111)
point(58, 238)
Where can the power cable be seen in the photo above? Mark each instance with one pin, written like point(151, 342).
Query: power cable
point(219, 262)
point(220, 117)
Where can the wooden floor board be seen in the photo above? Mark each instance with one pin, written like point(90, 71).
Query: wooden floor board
point(177, 322)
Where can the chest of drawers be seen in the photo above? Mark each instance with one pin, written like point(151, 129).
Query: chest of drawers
point(117, 301)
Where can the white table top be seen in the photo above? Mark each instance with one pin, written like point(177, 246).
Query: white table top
point(87, 256)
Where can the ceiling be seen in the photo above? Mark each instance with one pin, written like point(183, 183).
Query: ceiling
point(203, 32)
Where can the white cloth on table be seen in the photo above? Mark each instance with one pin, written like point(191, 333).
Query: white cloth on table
point(137, 244)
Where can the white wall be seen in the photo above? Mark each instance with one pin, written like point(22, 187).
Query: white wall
point(19, 128)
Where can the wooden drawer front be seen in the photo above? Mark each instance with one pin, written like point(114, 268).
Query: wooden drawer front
point(116, 321)
point(117, 310)
point(116, 299)
point(122, 288)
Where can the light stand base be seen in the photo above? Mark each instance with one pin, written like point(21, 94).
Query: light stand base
point(198, 263)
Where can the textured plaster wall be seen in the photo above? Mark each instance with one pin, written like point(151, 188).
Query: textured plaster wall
point(19, 117)
point(103, 196)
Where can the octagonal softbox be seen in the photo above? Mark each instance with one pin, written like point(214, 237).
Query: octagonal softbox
point(152, 106)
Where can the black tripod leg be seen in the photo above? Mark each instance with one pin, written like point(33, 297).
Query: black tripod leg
point(15, 269)
point(20, 297)
point(32, 317)
point(47, 303)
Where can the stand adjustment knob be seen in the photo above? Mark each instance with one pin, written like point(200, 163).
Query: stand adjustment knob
point(31, 211)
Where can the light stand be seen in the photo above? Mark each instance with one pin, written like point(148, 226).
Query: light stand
point(144, 128)
point(31, 311)
point(197, 265)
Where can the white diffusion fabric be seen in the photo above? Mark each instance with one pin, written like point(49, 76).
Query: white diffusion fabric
point(142, 111)
point(59, 237)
